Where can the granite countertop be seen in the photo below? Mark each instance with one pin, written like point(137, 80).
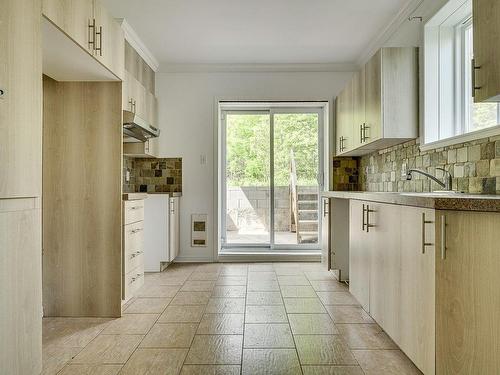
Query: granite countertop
point(438, 200)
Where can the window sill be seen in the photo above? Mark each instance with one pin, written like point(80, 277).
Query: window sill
point(479, 134)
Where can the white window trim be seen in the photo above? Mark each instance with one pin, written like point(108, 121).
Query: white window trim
point(432, 120)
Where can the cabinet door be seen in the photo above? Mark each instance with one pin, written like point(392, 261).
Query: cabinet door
point(373, 92)
point(359, 255)
point(325, 233)
point(152, 109)
point(467, 293)
point(110, 42)
point(21, 291)
point(359, 117)
point(20, 99)
point(344, 124)
point(73, 17)
point(174, 227)
point(384, 224)
point(486, 15)
point(417, 309)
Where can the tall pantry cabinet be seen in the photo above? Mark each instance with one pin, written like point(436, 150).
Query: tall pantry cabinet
point(20, 187)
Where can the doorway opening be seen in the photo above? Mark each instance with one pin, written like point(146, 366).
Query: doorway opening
point(271, 170)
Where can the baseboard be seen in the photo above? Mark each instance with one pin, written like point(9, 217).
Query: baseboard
point(275, 256)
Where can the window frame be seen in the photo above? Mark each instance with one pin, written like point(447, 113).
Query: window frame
point(447, 110)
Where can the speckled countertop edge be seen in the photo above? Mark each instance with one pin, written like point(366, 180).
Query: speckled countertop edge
point(464, 202)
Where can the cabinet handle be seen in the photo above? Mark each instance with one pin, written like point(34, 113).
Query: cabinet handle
point(134, 231)
point(361, 133)
point(172, 207)
point(136, 254)
point(325, 207)
point(368, 225)
point(100, 41)
point(135, 208)
point(443, 237)
point(134, 105)
point(424, 244)
point(365, 137)
point(364, 224)
point(473, 77)
point(91, 35)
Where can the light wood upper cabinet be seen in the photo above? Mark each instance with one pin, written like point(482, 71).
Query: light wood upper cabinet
point(467, 293)
point(134, 96)
point(417, 282)
point(110, 41)
point(486, 21)
point(372, 123)
point(89, 24)
point(359, 255)
point(74, 17)
point(387, 113)
point(20, 99)
point(359, 113)
point(344, 121)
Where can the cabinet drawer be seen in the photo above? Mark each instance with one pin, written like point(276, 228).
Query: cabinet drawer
point(133, 241)
point(133, 211)
point(133, 281)
point(134, 260)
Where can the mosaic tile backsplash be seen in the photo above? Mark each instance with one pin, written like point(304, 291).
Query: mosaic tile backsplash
point(152, 175)
point(345, 174)
point(475, 167)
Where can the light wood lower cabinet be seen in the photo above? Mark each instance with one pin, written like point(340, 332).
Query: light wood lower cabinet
point(359, 254)
point(417, 283)
point(383, 225)
point(467, 293)
point(391, 277)
point(133, 247)
point(174, 224)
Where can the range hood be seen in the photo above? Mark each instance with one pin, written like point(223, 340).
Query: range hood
point(137, 128)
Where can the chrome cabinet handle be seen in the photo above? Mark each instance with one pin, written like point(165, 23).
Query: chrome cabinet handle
point(136, 254)
point(100, 41)
point(364, 224)
point(473, 79)
point(424, 244)
point(368, 225)
point(91, 35)
point(133, 231)
point(325, 207)
point(361, 133)
point(443, 237)
point(365, 137)
point(135, 208)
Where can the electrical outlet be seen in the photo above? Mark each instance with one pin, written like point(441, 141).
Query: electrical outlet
point(203, 159)
point(127, 176)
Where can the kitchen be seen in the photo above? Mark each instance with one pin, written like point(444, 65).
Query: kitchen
point(115, 202)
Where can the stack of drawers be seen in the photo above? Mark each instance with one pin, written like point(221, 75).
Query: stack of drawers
point(133, 247)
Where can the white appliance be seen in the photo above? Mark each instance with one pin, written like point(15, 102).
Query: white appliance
point(161, 230)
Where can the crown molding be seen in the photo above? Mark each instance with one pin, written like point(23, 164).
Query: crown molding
point(133, 39)
point(256, 68)
point(378, 42)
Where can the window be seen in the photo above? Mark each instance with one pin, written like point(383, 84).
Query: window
point(450, 111)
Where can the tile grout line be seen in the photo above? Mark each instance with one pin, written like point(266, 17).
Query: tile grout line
point(289, 325)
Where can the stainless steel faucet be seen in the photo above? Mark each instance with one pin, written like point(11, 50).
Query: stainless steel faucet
point(446, 185)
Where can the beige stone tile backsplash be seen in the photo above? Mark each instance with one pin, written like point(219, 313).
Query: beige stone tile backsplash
point(152, 175)
point(475, 167)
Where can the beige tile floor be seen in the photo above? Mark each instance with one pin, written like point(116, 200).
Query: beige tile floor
point(225, 319)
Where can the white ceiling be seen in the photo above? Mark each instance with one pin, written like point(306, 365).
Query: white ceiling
point(257, 31)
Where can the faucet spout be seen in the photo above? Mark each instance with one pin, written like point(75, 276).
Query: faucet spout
point(446, 185)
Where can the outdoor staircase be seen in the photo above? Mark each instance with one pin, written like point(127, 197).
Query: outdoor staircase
point(308, 223)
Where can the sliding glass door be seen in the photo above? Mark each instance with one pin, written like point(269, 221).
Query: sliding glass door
point(271, 163)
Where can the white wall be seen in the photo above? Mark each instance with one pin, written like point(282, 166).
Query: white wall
point(187, 107)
